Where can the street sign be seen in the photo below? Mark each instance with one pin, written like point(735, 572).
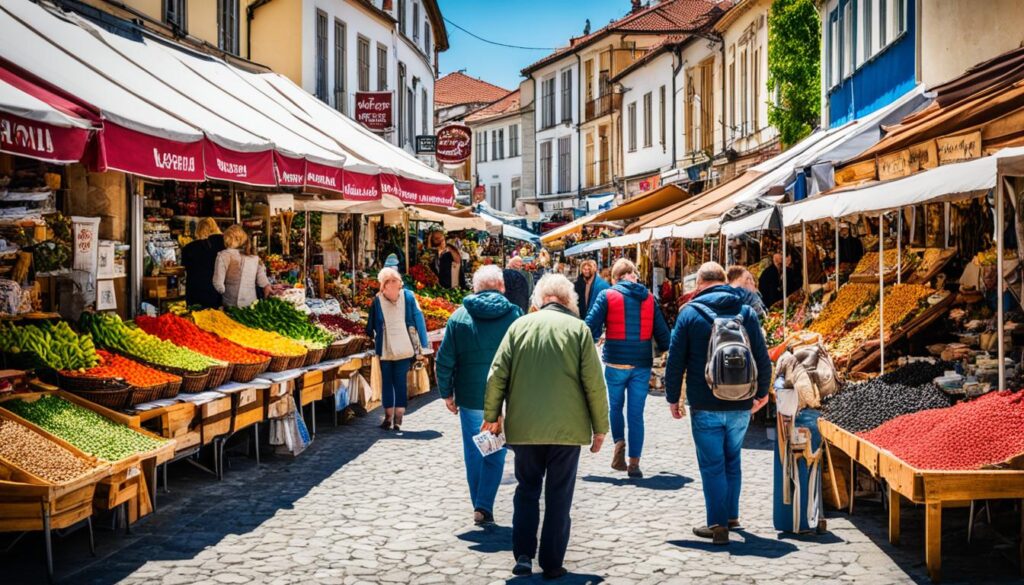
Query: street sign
point(426, 144)
point(454, 144)
point(374, 110)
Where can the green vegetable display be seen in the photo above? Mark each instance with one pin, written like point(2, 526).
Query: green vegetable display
point(49, 346)
point(83, 428)
point(110, 332)
point(281, 317)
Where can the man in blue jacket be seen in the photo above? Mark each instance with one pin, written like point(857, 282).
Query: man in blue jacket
point(630, 318)
point(719, 426)
point(471, 339)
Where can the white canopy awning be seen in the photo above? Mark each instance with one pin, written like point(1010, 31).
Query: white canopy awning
point(16, 102)
point(809, 210)
point(386, 203)
point(759, 220)
point(586, 247)
point(693, 230)
point(629, 239)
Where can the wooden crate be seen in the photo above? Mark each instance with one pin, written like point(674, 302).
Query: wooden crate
point(214, 419)
point(841, 439)
point(310, 378)
point(281, 406)
point(176, 421)
point(250, 409)
point(310, 394)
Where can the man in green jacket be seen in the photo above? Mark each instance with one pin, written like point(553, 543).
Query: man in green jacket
point(548, 378)
point(470, 340)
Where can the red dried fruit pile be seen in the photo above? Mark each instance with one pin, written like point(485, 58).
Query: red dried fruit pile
point(969, 435)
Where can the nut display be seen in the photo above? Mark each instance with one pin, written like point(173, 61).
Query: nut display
point(901, 301)
point(83, 428)
point(37, 455)
point(849, 299)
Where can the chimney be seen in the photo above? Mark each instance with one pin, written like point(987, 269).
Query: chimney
point(637, 7)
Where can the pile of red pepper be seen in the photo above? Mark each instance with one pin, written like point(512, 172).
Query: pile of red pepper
point(969, 435)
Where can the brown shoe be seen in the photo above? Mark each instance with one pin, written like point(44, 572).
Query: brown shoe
point(717, 534)
point(619, 456)
point(735, 525)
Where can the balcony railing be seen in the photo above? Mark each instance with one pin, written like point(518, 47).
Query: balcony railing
point(603, 105)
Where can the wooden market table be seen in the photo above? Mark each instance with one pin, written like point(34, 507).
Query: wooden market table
point(934, 489)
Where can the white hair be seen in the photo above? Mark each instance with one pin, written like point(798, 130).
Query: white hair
point(711, 272)
point(488, 277)
point(387, 274)
point(558, 286)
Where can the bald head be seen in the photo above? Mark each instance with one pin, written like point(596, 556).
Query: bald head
point(710, 274)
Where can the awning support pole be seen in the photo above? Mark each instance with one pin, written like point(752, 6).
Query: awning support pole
point(1000, 309)
point(785, 288)
point(305, 251)
point(352, 218)
point(405, 225)
point(803, 230)
point(899, 246)
point(881, 292)
point(836, 220)
point(948, 206)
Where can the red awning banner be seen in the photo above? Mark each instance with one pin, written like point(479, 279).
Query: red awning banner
point(291, 172)
point(413, 192)
point(323, 176)
point(361, 186)
point(41, 141)
point(250, 168)
point(134, 152)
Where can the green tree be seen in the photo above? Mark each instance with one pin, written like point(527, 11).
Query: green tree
point(794, 71)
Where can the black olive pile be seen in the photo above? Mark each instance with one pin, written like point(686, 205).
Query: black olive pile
point(916, 374)
point(862, 407)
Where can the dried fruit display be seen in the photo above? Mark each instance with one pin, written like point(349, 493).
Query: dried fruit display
point(36, 454)
point(186, 334)
point(869, 262)
point(850, 298)
point(864, 406)
point(83, 428)
point(218, 322)
point(901, 301)
point(338, 325)
point(969, 435)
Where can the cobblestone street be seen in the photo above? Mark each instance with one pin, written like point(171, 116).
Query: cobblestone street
point(361, 506)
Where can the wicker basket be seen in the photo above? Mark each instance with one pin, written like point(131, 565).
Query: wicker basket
point(114, 399)
point(297, 361)
point(142, 394)
point(279, 363)
point(246, 372)
point(192, 382)
point(85, 383)
point(218, 375)
point(314, 356)
point(172, 389)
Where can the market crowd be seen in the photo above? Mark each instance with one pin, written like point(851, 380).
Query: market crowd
point(520, 361)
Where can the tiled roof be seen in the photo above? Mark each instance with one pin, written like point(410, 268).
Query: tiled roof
point(458, 88)
point(668, 43)
point(506, 105)
point(667, 16)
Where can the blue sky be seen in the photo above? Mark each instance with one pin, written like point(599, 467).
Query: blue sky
point(530, 23)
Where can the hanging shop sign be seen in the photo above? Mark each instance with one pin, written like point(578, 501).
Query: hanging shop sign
point(374, 110)
point(37, 140)
point(894, 166)
point(149, 156)
point(361, 187)
point(454, 144)
point(250, 168)
point(958, 148)
point(923, 156)
point(426, 144)
point(291, 172)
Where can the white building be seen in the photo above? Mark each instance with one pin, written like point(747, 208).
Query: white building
point(498, 158)
point(556, 116)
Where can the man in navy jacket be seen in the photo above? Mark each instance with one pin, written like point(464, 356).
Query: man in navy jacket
point(630, 318)
point(719, 426)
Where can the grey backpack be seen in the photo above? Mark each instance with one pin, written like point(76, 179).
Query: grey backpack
point(731, 371)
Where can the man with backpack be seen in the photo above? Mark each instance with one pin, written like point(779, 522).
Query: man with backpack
point(718, 344)
point(630, 319)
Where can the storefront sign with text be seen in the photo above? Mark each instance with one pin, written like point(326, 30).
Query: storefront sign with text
point(374, 110)
point(454, 144)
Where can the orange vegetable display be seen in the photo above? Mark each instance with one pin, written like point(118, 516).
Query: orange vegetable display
point(185, 333)
point(115, 366)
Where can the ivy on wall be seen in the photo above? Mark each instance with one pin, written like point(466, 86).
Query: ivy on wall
point(794, 68)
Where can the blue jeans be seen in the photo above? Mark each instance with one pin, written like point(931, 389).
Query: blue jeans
point(482, 473)
point(394, 390)
point(718, 436)
point(627, 388)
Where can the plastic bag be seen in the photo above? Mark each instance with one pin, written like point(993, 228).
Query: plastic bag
point(289, 433)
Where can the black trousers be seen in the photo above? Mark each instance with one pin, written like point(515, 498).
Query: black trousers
point(558, 463)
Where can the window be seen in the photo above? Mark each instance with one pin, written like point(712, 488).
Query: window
point(496, 196)
point(516, 189)
point(499, 144)
point(883, 23)
point(227, 25)
point(899, 17)
point(744, 94)
point(648, 120)
point(410, 115)
point(363, 56)
point(866, 19)
point(833, 45)
point(401, 16)
point(340, 69)
point(545, 167)
point(415, 21)
point(426, 38)
point(513, 140)
point(481, 146)
point(588, 79)
point(382, 68)
point(547, 102)
point(174, 14)
point(732, 93)
point(400, 95)
point(661, 116)
point(756, 105)
point(631, 124)
point(425, 114)
point(567, 95)
point(321, 55)
point(848, 40)
point(494, 145)
point(564, 163)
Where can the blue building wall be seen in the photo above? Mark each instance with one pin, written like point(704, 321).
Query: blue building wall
point(879, 81)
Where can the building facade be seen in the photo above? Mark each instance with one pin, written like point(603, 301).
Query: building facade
point(875, 51)
point(331, 48)
point(497, 158)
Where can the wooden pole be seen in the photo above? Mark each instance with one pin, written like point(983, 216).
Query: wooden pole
point(785, 287)
point(881, 292)
point(1000, 309)
point(899, 246)
point(405, 225)
point(836, 220)
point(803, 234)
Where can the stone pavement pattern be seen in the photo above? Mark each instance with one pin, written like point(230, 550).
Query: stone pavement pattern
point(363, 506)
